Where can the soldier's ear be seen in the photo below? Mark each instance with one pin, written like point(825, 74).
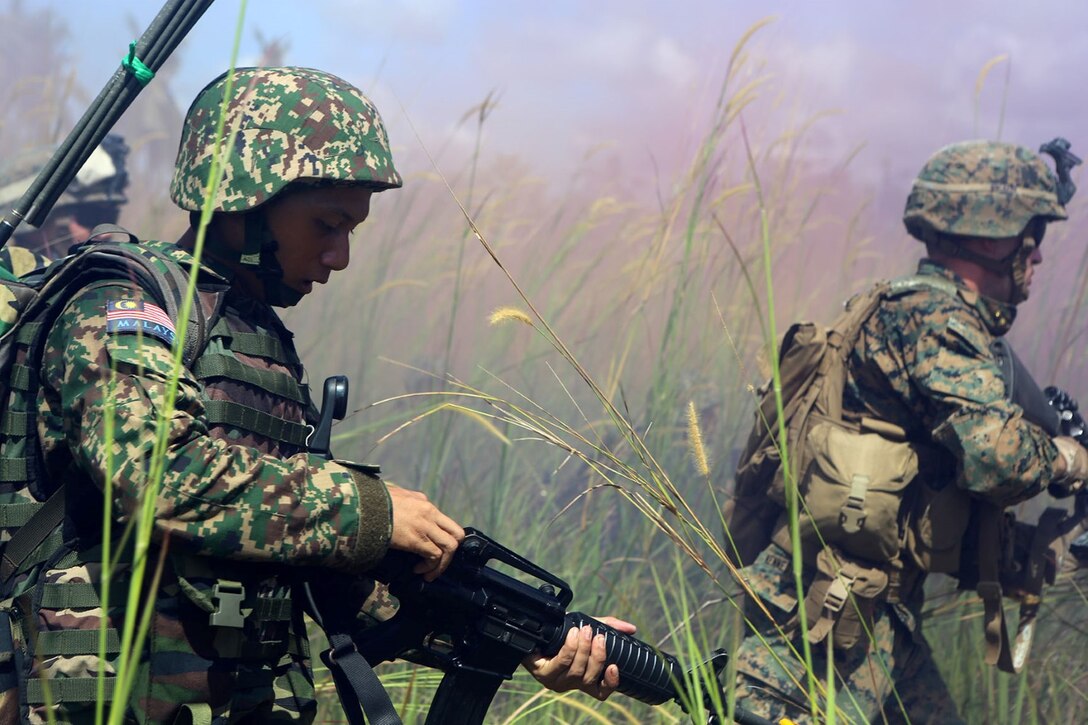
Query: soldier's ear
point(993, 248)
point(227, 229)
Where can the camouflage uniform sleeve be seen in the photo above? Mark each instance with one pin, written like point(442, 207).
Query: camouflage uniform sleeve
point(1001, 456)
point(215, 498)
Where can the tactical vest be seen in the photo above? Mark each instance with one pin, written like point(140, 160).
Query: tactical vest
point(245, 360)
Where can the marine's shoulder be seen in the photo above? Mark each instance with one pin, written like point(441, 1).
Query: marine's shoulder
point(928, 298)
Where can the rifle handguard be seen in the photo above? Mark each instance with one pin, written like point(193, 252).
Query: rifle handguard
point(645, 674)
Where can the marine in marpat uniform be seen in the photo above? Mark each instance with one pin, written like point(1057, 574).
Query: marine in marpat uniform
point(922, 367)
point(243, 510)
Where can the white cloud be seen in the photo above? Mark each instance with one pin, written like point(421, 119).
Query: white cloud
point(671, 62)
point(407, 19)
point(632, 47)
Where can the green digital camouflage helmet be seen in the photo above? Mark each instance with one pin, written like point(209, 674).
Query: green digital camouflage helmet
point(282, 125)
point(981, 189)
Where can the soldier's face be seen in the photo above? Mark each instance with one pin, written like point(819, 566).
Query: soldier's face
point(1002, 286)
point(313, 229)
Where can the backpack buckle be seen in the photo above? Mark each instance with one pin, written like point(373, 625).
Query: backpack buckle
point(852, 514)
point(838, 593)
point(228, 596)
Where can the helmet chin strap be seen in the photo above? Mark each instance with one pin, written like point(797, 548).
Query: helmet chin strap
point(1019, 269)
point(259, 254)
point(1015, 264)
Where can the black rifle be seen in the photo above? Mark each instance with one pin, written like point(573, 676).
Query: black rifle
point(477, 624)
point(1072, 424)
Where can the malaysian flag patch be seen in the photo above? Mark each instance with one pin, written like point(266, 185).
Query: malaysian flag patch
point(139, 317)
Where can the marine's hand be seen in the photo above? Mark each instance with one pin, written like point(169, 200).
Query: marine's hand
point(580, 662)
point(420, 528)
point(1071, 467)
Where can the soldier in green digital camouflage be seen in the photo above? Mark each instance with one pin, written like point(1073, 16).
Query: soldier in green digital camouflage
point(94, 197)
point(922, 368)
point(244, 510)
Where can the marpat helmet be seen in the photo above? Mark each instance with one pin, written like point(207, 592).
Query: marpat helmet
point(984, 189)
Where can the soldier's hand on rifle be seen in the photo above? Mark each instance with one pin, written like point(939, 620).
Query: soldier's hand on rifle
point(580, 663)
point(420, 528)
point(1070, 467)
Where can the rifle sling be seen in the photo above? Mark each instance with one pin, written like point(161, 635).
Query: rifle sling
point(356, 684)
point(998, 648)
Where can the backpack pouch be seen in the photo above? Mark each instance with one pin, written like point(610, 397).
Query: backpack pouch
point(853, 489)
point(841, 600)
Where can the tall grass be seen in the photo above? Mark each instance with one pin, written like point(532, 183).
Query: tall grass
point(135, 631)
point(570, 438)
point(639, 298)
point(634, 313)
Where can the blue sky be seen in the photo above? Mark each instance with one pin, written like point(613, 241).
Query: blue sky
point(639, 78)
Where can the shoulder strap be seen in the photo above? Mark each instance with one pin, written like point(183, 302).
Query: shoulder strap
point(844, 333)
point(164, 278)
point(842, 336)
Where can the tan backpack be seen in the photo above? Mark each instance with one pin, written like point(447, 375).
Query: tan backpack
point(850, 474)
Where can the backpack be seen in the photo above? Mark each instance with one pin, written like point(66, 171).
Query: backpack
point(851, 478)
point(850, 474)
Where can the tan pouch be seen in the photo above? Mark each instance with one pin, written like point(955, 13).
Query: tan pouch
point(854, 485)
point(934, 537)
point(841, 600)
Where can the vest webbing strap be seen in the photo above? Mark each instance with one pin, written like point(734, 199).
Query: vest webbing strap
point(27, 332)
point(213, 365)
point(14, 469)
point(15, 423)
point(194, 713)
point(68, 689)
point(43, 526)
point(71, 595)
point(23, 378)
point(269, 609)
point(53, 541)
point(72, 558)
point(69, 642)
point(17, 514)
point(251, 343)
point(225, 412)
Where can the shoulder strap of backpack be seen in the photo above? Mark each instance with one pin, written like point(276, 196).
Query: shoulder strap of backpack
point(842, 336)
point(844, 333)
point(153, 271)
